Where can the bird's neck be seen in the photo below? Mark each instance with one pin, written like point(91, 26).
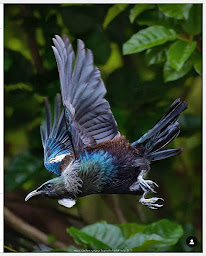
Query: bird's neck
point(72, 180)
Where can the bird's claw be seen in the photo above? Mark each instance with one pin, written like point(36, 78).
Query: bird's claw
point(151, 202)
point(147, 185)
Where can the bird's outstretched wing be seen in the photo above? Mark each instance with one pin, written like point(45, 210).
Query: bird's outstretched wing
point(55, 138)
point(88, 115)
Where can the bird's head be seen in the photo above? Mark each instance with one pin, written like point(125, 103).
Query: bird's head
point(54, 188)
point(65, 187)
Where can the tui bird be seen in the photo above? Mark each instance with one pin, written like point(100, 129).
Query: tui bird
point(83, 146)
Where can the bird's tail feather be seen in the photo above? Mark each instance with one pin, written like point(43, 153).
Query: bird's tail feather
point(162, 133)
point(164, 154)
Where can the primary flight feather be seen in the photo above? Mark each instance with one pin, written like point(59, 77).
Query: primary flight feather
point(83, 146)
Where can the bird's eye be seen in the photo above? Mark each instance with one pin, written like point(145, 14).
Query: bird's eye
point(48, 186)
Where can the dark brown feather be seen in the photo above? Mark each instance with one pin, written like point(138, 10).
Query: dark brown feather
point(118, 145)
point(66, 161)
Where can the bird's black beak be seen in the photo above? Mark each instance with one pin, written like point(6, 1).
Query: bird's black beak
point(32, 194)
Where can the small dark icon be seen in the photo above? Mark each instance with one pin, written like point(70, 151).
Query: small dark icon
point(191, 241)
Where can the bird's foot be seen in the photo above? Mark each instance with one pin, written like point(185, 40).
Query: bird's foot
point(145, 185)
point(151, 202)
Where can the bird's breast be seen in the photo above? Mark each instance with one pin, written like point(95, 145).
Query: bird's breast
point(105, 172)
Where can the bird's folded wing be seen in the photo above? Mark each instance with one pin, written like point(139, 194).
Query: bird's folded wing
point(88, 114)
point(55, 138)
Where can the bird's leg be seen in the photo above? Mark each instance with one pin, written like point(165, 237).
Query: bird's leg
point(147, 186)
point(150, 202)
point(141, 183)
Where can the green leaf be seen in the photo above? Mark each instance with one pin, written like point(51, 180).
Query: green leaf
point(142, 242)
point(179, 52)
point(89, 241)
point(177, 11)
point(197, 62)
point(171, 74)
point(169, 231)
point(156, 17)
point(156, 55)
point(110, 235)
point(113, 12)
point(193, 25)
point(130, 229)
point(137, 9)
point(98, 236)
point(147, 38)
point(155, 236)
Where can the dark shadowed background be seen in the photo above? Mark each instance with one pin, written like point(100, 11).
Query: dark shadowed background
point(141, 85)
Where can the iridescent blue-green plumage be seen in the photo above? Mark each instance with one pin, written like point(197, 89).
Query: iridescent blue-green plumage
point(82, 144)
point(55, 138)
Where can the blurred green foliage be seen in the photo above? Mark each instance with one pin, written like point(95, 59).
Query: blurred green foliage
point(139, 91)
point(167, 22)
point(127, 237)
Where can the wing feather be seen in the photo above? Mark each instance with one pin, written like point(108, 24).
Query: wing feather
point(55, 138)
point(88, 114)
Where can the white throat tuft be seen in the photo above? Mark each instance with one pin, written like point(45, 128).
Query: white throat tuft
point(67, 202)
